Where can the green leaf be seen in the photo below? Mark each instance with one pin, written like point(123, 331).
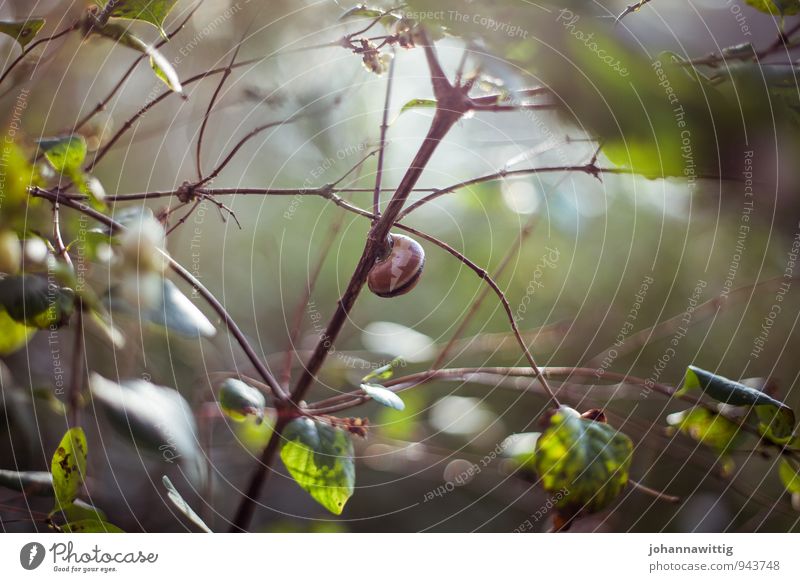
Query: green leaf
point(66, 153)
point(155, 419)
point(32, 483)
point(777, 419)
point(789, 472)
point(383, 396)
point(13, 334)
point(176, 312)
point(588, 460)
point(22, 31)
point(418, 104)
point(320, 458)
point(384, 372)
point(179, 502)
point(69, 466)
point(361, 11)
point(158, 62)
point(782, 7)
point(711, 429)
point(152, 11)
point(239, 400)
point(90, 526)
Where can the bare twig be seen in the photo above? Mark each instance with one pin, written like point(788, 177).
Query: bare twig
point(376, 196)
point(630, 9)
point(653, 492)
point(250, 135)
point(104, 103)
point(184, 274)
point(451, 107)
point(74, 26)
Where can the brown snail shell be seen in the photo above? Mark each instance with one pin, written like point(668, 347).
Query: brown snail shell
point(398, 271)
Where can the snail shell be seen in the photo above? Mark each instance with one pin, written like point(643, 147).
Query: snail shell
point(398, 271)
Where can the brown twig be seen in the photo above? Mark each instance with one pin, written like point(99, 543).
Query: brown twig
point(27, 50)
point(376, 196)
point(450, 108)
point(184, 274)
point(101, 106)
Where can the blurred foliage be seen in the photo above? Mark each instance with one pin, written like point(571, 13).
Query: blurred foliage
point(661, 118)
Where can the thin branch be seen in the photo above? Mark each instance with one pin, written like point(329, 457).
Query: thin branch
point(590, 169)
point(333, 232)
point(484, 275)
point(653, 492)
point(376, 196)
point(631, 9)
point(523, 234)
point(451, 107)
point(149, 105)
point(101, 106)
point(74, 26)
point(76, 383)
point(183, 218)
point(250, 135)
point(184, 274)
point(213, 100)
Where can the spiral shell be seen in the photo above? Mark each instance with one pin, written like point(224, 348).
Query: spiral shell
point(398, 272)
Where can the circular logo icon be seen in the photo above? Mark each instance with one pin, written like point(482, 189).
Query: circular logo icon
point(31, 555)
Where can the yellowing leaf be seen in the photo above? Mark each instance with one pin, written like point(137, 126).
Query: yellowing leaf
point(13, 334)
point(66, 153)
point(789, 472)
point(320, 458)
point(69, 466)
point(587, 461)
point(708, 428)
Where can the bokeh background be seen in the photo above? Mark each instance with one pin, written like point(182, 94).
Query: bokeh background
point(572, 282)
